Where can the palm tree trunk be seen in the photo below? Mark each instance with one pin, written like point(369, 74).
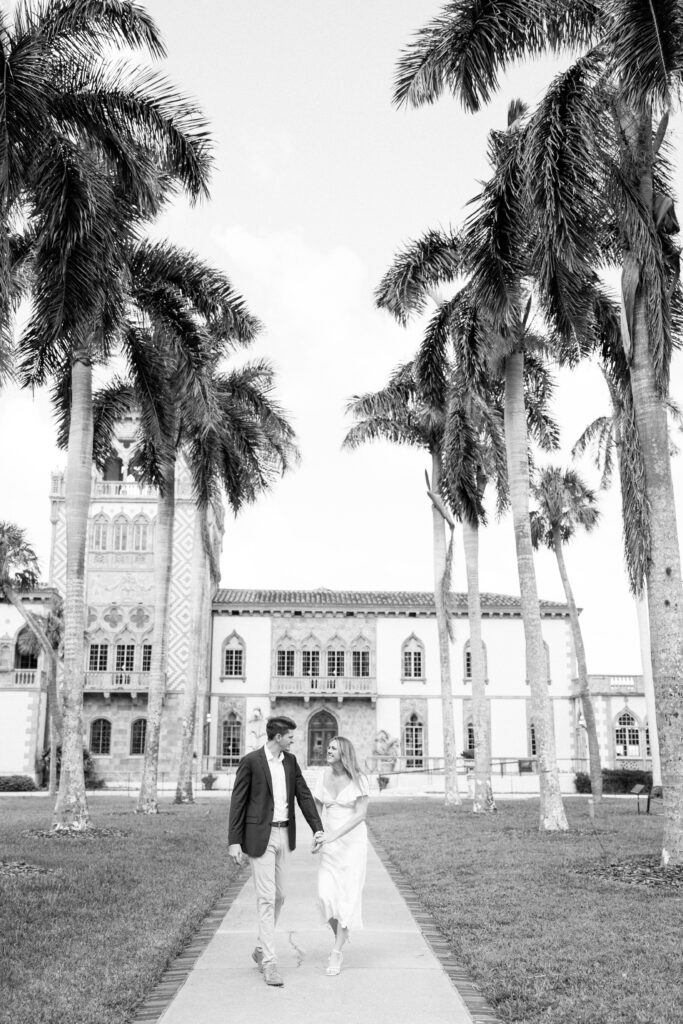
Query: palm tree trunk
point(664, 584)
point(664, 581)
point(553, 817)
point(71, 809)
point(649, 688)
point(163, 562)
point(184, 794)
point(483, 791)
point(443, 630)
point(595, 767)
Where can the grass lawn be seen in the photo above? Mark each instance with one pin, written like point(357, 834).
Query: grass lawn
point(83, 941)
point(548, 930)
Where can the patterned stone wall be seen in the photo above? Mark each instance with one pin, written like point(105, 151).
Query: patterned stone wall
point(120, 767)
point(181, 597)
point(356, 719)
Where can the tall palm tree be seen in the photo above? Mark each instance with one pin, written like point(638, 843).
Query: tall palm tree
point(183, 316)
point(86, 196)
point(565, 503)
point(240, 454)
point(401, 413)
point(600, 182)
point(495, 251)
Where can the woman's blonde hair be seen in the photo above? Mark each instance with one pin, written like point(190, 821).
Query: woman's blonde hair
point(349, 760)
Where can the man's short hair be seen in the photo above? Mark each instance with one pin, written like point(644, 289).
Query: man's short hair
point(278, 726)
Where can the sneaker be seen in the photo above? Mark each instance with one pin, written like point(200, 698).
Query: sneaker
point(257, 957)
point(271, 975)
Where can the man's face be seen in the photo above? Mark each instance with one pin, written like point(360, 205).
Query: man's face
point(284, 740)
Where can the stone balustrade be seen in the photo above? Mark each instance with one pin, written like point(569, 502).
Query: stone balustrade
point(323, 686)
point(117, 682)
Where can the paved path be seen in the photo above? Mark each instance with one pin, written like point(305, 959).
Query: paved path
point(389, 975)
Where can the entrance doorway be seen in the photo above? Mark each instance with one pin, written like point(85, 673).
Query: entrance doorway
point(322, 728)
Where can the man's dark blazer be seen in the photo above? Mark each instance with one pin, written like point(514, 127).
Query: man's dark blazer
point(251, 804)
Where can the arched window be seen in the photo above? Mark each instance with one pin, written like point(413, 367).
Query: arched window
point(336, 657)
point(121, 534)
point(310, 657)
point(360, 658)
point(233, 656)
point(141, 534)
point(322, 728)
point(412, 658)
point(138, 735)
point(533, 745)
point(231, 740)
point(25, 658)
point(413, 742)
point(98, 656)
point(467, 663)
point(470, 736)
point(627, 736)
point(100, 533)
point(100, 737)
point(285, 657)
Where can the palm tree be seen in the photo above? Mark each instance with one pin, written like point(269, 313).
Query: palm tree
point(401, 413)
point(495, 252)
point(183, 317)
point(86, 196)
point(244, 449)
point(564, 503)
point(600, 182)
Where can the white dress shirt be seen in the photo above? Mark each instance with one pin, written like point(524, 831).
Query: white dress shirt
point(277, 774)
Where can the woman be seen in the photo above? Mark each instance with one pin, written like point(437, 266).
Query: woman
point(341, 797)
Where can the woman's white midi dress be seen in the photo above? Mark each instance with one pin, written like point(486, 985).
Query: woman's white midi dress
point(341, 875)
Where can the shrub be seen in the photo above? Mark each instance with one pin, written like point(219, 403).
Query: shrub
point(208, 780)
point(16, 784)
point(618, 780)
point(91, 782)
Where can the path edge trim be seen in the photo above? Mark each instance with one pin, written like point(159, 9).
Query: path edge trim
point(157, 1001)
point(480, 1011)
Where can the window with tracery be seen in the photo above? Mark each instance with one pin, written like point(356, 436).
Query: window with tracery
point(360, 663)
point(412, 659)
point(233, 656)
point(98, 657)
point(467, 662)
point(121, 534)
point(231, 740)
point(310, 661)
point(100, 533)
point(285, 661)
point(627, 736)
point(141, 534)
point(413, 742)
point(336, 662)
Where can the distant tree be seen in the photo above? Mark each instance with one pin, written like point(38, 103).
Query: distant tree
point(565, 504)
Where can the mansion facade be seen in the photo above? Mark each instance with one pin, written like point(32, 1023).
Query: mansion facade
point(361, 664)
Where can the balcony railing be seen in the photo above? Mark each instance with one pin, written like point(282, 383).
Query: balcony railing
point(117, 682)
point(324, 686)
point(26, 677)
point(612, 684)
point(118, 488)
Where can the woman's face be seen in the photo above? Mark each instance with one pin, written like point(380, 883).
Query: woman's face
point(333, 753)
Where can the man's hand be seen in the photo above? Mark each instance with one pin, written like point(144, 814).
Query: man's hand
point(318, 839)
point(235, 853)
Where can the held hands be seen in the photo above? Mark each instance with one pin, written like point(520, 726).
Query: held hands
point(319, 839)
point(235, 853)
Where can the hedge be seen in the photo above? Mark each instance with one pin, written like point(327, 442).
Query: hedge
point(620, 780)
point(16, 784)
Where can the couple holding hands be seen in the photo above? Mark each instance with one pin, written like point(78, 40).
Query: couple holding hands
point(262, 826)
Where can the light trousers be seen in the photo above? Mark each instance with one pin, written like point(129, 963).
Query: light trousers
point(270, 879)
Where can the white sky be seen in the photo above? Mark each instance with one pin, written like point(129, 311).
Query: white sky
point(318, 181)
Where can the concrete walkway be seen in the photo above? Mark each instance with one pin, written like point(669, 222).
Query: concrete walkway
point(389, 975)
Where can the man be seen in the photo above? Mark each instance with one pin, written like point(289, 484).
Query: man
point(262, 825)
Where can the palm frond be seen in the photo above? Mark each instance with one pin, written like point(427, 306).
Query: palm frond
point(469, 44)
point(644, 39)
point(421, 266)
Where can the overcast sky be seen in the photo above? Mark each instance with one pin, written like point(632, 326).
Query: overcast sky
point(318, 180)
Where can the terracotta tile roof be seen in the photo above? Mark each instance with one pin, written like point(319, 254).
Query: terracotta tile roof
point(410, 600)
